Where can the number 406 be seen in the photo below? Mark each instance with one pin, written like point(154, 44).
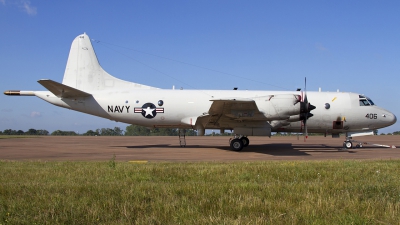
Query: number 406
point(372, 116)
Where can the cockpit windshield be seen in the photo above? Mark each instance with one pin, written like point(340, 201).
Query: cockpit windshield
point(365, 101)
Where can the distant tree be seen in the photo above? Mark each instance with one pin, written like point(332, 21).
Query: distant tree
point(64, 133)
point(383, 134)
point(21, 132)
point(109, 132)
point(104, 131)
point(9, 132)
point(396, 133)
point(1, 132)
point(164, 132)
point(118, 131)
point(135, 130)
point(42, 132)
point(191, 132)
point(56, 132)
point(91, 133)
point(31, 132)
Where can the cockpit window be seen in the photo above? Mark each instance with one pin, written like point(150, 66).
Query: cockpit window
point(370, 101)
point(365, 101)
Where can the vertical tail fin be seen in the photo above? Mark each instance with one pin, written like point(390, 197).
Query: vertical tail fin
point(84, 72)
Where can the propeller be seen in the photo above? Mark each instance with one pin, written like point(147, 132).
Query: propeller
point(305, 109)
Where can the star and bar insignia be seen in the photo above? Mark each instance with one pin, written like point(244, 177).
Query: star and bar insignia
point(148, 110)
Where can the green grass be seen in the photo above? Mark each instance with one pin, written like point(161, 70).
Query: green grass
point(18, 136)
point(272, 192)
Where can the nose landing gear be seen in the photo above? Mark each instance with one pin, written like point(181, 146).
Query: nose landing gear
point(348, 144)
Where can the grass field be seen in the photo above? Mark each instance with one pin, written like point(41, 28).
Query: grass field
point(18, 136)
point(271, 192)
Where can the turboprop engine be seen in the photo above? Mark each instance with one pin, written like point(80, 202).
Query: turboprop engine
point(280, 107)
point(288, 108)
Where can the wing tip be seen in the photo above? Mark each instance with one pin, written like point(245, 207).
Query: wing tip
point(12, 92)
point(19, 93)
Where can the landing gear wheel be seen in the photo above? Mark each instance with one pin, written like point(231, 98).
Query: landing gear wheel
point(237, 145)
point(245, 141)
point(348, 144)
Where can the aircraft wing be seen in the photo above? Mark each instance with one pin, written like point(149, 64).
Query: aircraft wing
point(62, 90)
point(234, 109)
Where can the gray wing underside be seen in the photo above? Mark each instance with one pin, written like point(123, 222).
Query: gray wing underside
point(234, 110)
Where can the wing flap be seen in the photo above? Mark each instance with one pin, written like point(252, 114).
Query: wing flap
point(62, 90)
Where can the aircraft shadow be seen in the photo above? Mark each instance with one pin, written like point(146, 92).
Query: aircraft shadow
point(275, 149)
point(288, 149)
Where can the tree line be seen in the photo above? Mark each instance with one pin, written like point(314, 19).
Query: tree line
point(131, 130)
point(136, 130)
point(21, 132)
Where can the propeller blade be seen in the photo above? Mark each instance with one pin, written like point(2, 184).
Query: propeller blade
point(305, 132)
point(306, 109)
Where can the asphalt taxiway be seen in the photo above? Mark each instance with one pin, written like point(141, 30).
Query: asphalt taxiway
point(206, 148)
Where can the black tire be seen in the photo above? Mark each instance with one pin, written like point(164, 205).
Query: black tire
point(237, 145)
point(245, 141)
point(348, 144)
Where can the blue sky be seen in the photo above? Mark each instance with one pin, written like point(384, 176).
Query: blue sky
point(256, 45)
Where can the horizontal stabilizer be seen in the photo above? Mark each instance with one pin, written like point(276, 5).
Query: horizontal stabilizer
point(62, 90)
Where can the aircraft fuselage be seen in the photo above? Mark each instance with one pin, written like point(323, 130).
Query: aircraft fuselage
point(181, 109)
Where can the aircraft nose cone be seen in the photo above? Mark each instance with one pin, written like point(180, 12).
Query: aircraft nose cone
point(391, 118)
point(394, 119)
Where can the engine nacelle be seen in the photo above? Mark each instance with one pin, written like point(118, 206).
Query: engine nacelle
point(279, 107)
point(279, 123)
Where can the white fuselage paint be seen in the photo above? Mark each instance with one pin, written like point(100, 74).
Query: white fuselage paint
point(181, 108)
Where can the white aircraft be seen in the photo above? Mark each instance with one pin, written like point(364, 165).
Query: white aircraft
point(87, 88)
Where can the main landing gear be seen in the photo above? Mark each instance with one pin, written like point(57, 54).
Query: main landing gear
point(238, 142)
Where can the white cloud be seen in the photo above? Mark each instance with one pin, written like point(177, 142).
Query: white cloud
point(320, 47)
point(35, 114)
point(26, 5)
